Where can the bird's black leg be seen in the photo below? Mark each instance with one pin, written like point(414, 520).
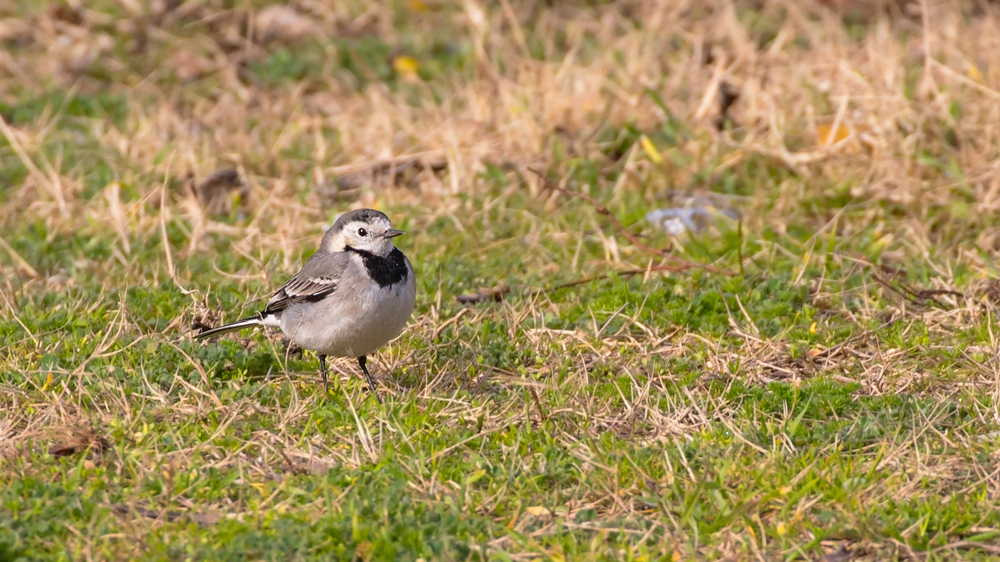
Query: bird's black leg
point(363, 361)
point(322, 369)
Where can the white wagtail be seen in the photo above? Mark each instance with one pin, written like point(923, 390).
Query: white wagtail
point(353, 295)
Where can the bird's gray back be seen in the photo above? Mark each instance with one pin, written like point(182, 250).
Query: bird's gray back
point(319, 277)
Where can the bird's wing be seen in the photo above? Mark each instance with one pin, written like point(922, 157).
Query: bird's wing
point(318, 278)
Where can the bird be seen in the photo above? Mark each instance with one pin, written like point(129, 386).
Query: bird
point(350, 298)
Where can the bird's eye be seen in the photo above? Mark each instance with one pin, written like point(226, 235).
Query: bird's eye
point(362, 232)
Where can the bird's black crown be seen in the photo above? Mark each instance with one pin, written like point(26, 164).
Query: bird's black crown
point(363, 215)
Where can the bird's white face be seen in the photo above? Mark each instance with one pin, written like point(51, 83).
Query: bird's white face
point(374, 235)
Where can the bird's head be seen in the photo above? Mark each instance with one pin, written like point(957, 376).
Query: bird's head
point(364, 229)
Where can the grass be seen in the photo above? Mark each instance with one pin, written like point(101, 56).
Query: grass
point(822, 384)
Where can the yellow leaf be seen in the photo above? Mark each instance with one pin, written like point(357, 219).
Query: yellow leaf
point(812, 328)
point(48, 381)
point(651, 151)
point(974, 73)
point(417, 5)
point(824, 132)
point(536, 510)
point(676, 556)
point(406, 67)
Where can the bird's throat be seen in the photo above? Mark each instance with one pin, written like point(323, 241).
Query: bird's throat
point(384, 270)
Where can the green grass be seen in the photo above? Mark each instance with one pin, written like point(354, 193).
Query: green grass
point(830, 384)
point(622, 443)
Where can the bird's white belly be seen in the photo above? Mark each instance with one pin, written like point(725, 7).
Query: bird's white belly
point(351, 327)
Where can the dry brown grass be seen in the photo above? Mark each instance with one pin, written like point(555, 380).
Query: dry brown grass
point(798, 71)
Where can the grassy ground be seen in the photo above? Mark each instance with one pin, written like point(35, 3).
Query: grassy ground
point(822, 383)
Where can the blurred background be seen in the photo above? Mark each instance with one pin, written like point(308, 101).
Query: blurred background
point(308, 105)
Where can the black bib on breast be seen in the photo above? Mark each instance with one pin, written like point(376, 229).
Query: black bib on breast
point(384, 271)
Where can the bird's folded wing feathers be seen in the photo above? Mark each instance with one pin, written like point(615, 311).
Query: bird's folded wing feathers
point(318, 278)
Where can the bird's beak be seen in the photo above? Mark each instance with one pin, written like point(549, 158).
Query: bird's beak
point(392, 233)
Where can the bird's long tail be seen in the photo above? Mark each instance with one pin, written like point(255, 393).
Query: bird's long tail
point(239, 325)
